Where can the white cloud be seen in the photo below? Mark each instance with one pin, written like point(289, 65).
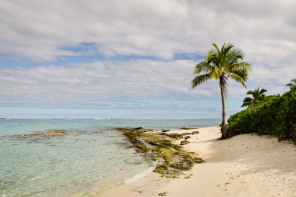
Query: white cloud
point(42, 30)
point(98, 81)
point(135, 79)
point(38, 29)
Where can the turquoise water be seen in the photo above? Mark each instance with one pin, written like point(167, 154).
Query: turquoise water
point(90, 158)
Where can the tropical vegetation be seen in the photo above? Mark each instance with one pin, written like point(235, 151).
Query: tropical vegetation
point(276, 115)
point(258, 96)
point(222, 64)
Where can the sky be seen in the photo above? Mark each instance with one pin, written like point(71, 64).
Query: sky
point(135, 58)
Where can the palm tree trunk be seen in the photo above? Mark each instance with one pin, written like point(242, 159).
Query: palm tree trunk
point(222, 89)
point(224, 116)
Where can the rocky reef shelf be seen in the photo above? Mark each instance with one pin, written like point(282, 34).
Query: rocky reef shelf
point(160, 146)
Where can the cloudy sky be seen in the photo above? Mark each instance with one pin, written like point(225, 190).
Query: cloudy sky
point(134, 58)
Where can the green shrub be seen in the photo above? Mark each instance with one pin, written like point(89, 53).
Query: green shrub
point(276, 115)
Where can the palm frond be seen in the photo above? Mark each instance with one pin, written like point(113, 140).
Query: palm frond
point(236, 54)
point(200, 79)
point(241, 65)
point(242, 73)
point(250, 92)
point(238, 77)
point(228, 47)
point(247, 102)
point(262, 91)
point(218, 50)
point(292, 84)
point(215, 73)
point(213, 58)
point(202, 66)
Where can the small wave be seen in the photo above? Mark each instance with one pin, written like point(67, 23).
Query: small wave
point(102, 118)
point(144, 173)
point(140, 175)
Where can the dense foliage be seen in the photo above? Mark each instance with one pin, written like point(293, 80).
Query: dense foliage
point(276, 115)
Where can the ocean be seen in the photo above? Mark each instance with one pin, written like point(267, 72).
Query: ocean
point(89, 159)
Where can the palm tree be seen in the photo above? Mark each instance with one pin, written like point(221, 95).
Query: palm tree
point(258, 95)
point(222, 65)
point(293, 83)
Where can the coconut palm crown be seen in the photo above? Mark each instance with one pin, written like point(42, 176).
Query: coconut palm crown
point(222, 64)
point(258, 95)
point(292, 83)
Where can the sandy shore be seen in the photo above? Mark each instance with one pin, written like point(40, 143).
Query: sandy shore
point(245, 165)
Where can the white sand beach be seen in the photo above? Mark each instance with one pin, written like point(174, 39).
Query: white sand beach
point(245, 165)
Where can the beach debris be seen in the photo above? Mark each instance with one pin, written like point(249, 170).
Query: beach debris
point(165, 130)
point(163, 194)
point(49, 133)
point(172, 159)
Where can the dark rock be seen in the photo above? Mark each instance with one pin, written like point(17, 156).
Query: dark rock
point(184, 142)
point(187, 137)
point(163, 194)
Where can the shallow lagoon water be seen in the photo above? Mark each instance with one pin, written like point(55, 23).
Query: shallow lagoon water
point(90, 158)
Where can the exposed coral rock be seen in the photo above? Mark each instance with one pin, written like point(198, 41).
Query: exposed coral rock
point(173, 159)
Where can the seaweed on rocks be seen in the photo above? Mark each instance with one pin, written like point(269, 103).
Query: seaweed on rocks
point(172, 158)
